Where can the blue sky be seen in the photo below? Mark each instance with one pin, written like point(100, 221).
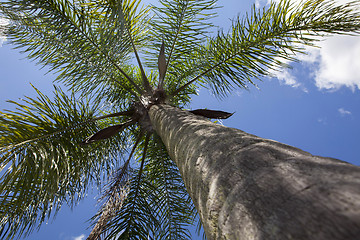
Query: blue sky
point(314, 106)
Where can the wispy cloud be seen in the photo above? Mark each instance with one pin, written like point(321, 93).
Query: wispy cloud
point(259, 3)
point(344, 112)
point(285, 77)
point(334, 65)
point(81, 237)
point(322, 120)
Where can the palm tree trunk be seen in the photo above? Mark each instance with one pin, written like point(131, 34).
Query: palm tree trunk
point(246, 187)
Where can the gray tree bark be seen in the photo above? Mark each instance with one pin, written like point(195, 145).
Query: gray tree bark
point(246, 187)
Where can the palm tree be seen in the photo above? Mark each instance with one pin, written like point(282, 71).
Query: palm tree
point(129, 69)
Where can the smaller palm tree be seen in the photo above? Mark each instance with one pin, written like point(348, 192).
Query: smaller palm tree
point(119, 59)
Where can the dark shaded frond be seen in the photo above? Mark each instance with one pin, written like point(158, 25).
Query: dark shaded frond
point(214, 114)
point(107, 132)
point(162, 65)
point(42, 163)
point(135, 219)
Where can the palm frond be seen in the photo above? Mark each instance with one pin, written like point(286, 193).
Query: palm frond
point(42, 163)
point(182, 25)
point(157, 205)
point(114, 196)
point(114, 93)
point(261, 41)
point(135, 219)
point(82, 41)
point(174, 208)
point(117, 114)
point(134, 17)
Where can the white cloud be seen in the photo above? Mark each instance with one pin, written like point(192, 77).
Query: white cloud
point(334, 65)
point(339, 63)
point(344, 112)
point(81, 237)
point(3, 25)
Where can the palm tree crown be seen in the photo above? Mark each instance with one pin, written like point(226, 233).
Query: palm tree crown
point(118, 58)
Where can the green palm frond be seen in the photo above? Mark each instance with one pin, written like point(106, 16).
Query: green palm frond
point(134, 20)
point(261, 41)
point(155, 206)
point(183, 25)
point(42, 162)
point(114, 196)
point(174, 207)
point(136, 218)
point(85, 42)
point(126, 213)
point(114, 92)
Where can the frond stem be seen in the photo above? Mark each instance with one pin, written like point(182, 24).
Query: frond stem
point(143, 160)
point(146, 83)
